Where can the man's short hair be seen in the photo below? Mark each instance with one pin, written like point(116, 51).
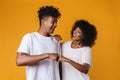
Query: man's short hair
point(46, 11)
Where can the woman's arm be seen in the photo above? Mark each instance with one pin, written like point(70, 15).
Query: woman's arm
point(80, 67)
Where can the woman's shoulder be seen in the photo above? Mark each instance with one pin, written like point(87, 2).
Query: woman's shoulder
point(86, 48)
point(66, 42)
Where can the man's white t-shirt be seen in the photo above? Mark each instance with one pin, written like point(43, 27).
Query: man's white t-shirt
point(79, 55)
point(35, 44)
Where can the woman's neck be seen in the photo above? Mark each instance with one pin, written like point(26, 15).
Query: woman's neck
point(76, 44)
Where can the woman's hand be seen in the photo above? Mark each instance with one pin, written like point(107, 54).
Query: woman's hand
point(63, 59)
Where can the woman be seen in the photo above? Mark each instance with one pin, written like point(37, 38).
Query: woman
point(76, 54)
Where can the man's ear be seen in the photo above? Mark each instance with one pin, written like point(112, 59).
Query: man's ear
point(42, 21)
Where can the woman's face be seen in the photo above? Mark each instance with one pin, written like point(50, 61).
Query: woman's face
point(77, 34)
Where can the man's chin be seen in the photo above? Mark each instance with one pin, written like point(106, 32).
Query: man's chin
point(51, 32)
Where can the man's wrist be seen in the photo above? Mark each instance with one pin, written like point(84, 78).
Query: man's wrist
point(47, 55)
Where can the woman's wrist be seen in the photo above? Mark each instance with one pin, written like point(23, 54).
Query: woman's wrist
point(68, 60)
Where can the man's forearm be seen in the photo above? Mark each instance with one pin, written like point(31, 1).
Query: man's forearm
point(25, 59)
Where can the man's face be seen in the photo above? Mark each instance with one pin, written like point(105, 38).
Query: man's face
point(49, 24)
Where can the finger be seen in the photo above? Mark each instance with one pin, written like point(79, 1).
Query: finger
point(57, 59)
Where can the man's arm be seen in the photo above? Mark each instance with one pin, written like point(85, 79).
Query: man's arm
point(24, 59)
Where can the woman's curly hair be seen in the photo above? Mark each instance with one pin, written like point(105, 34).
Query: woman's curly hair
point(48, 11)
point(88, 30)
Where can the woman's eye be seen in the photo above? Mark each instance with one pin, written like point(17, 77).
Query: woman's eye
point(74, 32)
point(79, 32)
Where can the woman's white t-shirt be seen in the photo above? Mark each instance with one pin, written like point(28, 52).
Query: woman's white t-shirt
point(79, 55)
point(35, 44)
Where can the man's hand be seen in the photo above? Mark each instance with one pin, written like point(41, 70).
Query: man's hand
point(53, 56)
point(58, 37)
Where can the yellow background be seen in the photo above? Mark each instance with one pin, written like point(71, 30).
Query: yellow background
point(18, 17)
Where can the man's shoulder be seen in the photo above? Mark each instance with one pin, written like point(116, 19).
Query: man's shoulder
point(28, 35)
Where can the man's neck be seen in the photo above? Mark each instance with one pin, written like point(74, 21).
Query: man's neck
point(42, 32)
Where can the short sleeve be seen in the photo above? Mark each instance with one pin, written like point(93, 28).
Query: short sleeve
point(86, 56)
point(25, 44)
point(58, 46)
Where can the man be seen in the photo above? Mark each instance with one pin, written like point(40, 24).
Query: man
point(39, 51)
